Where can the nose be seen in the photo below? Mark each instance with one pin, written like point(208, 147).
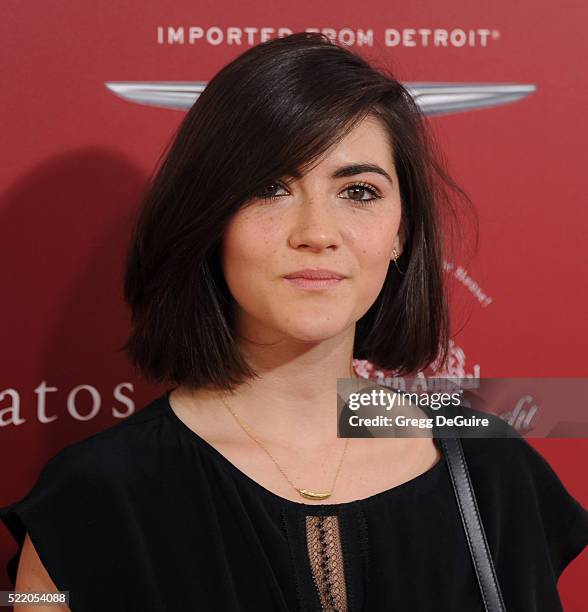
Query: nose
point(315, 225)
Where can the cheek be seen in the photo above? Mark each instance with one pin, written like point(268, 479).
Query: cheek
point(373, 240)
point(248, 246)
point(372, 246)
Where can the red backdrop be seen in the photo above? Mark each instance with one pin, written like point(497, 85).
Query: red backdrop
point(77, 157)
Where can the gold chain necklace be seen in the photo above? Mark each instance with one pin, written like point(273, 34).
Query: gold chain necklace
point(306, 493)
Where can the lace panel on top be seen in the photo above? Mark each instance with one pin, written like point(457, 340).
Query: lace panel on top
point(326, 560)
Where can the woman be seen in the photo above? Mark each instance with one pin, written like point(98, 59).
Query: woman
point(293, 226)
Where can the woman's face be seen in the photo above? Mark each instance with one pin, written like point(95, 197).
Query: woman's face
point(335, 217)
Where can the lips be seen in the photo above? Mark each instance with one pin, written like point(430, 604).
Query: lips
point(315, 274)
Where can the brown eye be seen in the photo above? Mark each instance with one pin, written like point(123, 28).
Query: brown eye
point(269, 191)
point(359, 191)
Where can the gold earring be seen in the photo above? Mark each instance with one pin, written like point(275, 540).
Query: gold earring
point(395, 256)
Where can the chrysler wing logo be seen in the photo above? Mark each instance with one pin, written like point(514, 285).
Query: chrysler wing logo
point(432, 98)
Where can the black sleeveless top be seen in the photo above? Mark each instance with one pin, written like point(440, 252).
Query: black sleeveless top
point(148, 516)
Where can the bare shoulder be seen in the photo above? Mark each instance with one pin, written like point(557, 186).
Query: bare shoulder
point(33, 577)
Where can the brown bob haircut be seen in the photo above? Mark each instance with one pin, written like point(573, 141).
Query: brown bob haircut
point(272, 112)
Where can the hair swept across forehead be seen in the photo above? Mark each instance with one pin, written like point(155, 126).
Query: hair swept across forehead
point(279, 106)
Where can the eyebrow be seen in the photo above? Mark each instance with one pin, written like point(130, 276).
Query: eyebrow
point(360, 168)
point(352, 170)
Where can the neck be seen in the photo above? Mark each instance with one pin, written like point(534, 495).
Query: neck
point(293, 403)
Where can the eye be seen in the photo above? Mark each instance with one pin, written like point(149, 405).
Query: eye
point(362, 189)
point(268, 192)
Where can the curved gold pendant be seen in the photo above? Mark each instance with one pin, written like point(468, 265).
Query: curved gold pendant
point(313, 494)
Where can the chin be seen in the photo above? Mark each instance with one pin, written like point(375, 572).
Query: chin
point(316, 332)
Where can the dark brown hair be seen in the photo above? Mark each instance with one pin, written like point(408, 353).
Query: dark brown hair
point(271, 113)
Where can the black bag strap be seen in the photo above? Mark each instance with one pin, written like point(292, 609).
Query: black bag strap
point(472, 523)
